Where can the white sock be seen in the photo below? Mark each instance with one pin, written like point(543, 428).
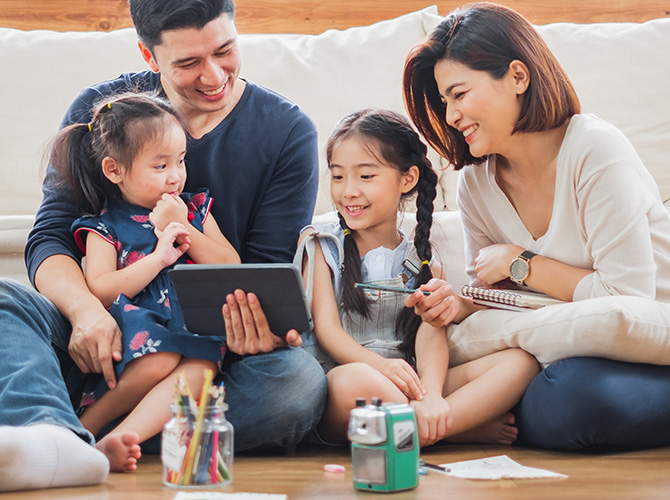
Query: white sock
point(47, 456)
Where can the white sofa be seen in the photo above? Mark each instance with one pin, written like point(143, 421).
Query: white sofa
point(621, 72)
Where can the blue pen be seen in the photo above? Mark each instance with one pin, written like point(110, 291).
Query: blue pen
point(395, 289)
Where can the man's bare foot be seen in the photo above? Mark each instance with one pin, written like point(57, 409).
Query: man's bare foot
point(498, 431)
point(122, 450)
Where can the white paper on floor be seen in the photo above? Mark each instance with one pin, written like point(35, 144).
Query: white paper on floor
point(500, 467)
point(209, 495)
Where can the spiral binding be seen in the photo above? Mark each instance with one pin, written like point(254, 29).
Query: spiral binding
point(497, 296)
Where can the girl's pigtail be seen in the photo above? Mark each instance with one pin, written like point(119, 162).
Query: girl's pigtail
point(71, 156)
point(118, 129)
point(353, 298)
point(407, 323)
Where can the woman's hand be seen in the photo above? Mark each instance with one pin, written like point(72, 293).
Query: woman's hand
point(439, 308)
point(493, 262)
point(165, 250)
point(402, 375)
point(433, 418)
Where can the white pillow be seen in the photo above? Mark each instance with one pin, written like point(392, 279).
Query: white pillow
point(43, 71)
point(623, 328)
point(337, 72)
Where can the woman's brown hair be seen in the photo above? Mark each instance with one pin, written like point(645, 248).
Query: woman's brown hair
point(485, 37)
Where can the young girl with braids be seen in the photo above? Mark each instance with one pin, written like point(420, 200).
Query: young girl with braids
point(127, 168)
point(368, 343)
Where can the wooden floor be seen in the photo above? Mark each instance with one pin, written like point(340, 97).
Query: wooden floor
point(628, 475)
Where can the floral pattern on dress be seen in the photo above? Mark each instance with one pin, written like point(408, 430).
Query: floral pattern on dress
point(142, 343)
point(151, 321)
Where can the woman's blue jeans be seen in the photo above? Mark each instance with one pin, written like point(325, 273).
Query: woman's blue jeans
point(592, 402)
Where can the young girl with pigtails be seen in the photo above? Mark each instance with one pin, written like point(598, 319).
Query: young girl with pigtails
point(368, 343)
point(126, 168)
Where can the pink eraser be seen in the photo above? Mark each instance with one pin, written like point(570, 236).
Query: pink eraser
point(333, 468)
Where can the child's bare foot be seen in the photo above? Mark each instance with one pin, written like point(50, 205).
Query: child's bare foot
point(122, 450)
point(498, 431)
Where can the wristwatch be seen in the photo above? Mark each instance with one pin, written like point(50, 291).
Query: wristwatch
point(519, 269)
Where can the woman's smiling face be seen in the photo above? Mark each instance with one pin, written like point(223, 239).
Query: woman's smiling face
point(480, 107)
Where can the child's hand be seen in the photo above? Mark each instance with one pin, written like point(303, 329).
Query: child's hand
point(166, 250)
point(433, 418)
point(402, 375)
point(170, 208)
point(439, 308)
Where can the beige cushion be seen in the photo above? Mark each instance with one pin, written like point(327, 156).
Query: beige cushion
point(629, 329)
point(14, 231)
point(622, 74)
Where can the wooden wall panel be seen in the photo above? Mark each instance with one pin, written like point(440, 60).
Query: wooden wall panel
point(314, 16)
point(65, 15)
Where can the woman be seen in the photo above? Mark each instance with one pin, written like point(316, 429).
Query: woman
point(553, 200)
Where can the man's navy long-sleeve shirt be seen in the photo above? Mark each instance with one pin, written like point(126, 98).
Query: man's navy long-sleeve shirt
point(260, 165)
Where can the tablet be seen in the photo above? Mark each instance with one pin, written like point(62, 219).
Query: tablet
point(202, 290)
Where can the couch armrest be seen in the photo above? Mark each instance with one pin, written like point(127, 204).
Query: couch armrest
point(14, 230)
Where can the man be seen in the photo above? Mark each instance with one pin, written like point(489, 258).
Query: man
point(257, 154)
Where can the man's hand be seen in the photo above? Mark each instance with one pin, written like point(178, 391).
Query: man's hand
point(247, 328)
point(96, 342)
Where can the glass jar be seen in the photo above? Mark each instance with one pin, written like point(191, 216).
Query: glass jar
point(197, 450)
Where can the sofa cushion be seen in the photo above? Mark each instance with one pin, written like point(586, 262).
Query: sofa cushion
point(625, 328)
point(621, 72)
point(43, 71)
point(14, 231)
point(337, 72)
point(328, 75)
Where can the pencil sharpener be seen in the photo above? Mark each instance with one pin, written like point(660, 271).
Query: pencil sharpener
point(384, 447)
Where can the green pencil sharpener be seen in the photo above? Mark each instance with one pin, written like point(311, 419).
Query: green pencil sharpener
point(384, 448)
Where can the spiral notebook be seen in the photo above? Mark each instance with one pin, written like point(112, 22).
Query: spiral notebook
point(513, 300)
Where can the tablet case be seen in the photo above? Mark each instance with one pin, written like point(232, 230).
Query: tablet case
point(202, 290)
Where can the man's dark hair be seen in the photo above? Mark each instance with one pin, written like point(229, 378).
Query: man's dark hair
point(152, 17)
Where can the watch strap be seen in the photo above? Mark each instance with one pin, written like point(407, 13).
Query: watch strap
point(527, 255)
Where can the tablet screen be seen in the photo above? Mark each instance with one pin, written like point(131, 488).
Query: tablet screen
point(202, 290)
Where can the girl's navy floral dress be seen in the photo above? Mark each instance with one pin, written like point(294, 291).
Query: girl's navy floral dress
point(151, 321)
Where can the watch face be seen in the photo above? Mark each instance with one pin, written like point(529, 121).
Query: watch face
point(518, 270)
